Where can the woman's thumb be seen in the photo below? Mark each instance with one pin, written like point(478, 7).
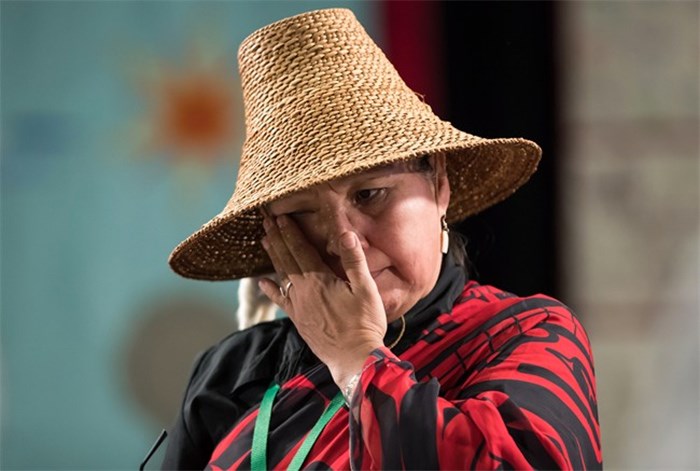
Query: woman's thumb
point(353, 259)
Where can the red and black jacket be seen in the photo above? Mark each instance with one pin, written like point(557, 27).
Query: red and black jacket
point(482, 379)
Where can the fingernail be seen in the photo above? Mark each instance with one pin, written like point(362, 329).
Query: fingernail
point(267, 224)
point(265, 243)
point(347, 240)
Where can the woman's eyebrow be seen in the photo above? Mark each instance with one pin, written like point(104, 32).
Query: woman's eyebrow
point(301, 202)
point(367, 179)
point(298, 204)
point(379, 173)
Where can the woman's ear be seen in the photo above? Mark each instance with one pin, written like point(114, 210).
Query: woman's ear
point(442, 184)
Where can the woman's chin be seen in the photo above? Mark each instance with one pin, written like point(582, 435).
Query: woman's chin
point(392, 309)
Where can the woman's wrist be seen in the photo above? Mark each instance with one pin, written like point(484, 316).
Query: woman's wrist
point(343, 377)
point(350, 387)
point(347, 371)
point(352, 383)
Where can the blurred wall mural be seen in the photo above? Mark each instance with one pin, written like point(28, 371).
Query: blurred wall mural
point(121, 129)
point(121, 126)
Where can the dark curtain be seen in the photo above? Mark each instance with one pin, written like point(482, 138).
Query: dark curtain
point(489, 68)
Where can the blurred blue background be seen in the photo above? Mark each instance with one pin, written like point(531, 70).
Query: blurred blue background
point(97, 188)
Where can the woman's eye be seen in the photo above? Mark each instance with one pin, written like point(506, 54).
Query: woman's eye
point(296, 214)
point(366, 196)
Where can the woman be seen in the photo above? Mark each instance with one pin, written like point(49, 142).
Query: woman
point(390, 358)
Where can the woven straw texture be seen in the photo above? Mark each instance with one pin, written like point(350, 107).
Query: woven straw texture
point(322, 101)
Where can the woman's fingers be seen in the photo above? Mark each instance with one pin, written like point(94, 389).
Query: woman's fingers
point(305, 255)
point(295, 254)
point(272, 291)
point(353, 259)
point(282, 259)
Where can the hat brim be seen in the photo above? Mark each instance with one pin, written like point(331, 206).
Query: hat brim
point(481, 172)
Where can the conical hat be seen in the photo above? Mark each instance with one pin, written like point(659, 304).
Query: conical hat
point(321, 102)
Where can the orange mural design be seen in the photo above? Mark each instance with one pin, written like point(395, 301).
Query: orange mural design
point(193, 112)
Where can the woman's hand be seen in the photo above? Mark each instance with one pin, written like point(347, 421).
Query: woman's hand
point(342, 322)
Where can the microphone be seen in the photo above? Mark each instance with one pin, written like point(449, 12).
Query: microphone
point(159, 441)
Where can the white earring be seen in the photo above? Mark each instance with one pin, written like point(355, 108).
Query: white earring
point(444, 235)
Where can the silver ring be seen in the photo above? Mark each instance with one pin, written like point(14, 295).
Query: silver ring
point(284, 290)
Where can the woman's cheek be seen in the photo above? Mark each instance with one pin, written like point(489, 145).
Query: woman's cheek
point(418, 251)
point(313, 231)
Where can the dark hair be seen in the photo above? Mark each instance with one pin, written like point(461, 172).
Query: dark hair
point(457, 249)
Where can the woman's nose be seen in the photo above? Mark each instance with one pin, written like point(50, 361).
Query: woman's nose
point(337, 223)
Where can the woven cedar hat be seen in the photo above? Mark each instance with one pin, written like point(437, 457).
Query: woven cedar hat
point(321, 102)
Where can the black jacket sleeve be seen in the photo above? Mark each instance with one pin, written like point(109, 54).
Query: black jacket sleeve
point(185, 451)
point(226, 382)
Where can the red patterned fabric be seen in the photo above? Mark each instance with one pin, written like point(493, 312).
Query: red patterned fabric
point(501, 382)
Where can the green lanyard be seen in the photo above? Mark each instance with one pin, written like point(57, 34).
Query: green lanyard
point(258, 458)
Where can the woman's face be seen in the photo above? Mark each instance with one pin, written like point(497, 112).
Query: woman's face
point(396, 214)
